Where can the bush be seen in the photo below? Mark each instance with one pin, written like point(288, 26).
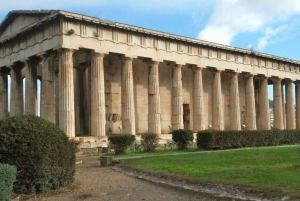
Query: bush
point(182, 137)
point(120, 142)
point(41, 152)
point(235, 139)
point(149, 141)
point(7, 179)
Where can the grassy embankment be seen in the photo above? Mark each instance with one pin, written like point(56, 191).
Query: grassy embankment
point(272, 170)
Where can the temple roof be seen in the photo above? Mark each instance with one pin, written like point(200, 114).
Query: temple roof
point(46, 15)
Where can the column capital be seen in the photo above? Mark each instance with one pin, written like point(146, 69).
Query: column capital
point(65, 50)
point(248, 75)
point(275, 79)
point(196, 67)
point(4, 70)
point(154, 62)
point(287, 80)
point(98, 54)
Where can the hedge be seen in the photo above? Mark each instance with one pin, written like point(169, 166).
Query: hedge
point(182, 137)
point(8, 175)
point(210, 139)
point(121, 141)
point(41, 152)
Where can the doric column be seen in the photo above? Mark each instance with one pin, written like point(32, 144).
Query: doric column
point(66, 92)
point(277, 110)
point(283, 106)
point(31, 87)
point(98, 119)
point(217, 102)
point(290, 109)
point(3, 93)
point(264, 117)
point(177, 102)
point(235, 112)
point(16, 95)
point(48, 95)
point(297, 83)
point(198, 100)
point(128, 111)
point(154, 125)
point(250, 104)
point(87, 97)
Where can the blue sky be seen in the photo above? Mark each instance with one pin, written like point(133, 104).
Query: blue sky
point(269, 26)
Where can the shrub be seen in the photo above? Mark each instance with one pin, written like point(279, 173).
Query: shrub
point(7, 179)
point(149, 141)
point(120, 142)
point(182, 137)
point(41, 152)
point(235, 139)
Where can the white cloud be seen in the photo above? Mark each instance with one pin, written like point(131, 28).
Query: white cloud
point(232, 17)
point(269, 33)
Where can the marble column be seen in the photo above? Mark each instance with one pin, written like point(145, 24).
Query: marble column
point(87, 97)
point(290, 108)
point(264, 117)
point(4, 93)
point(56, 81)
point(154, 125)
point(198, 100)
point(16, 95)
point(297, 83)
point(250, 104)
point(277, 110)
point(283, 106)
point(235, 111)
point(98, 118)
point(217, 102)
point(177, 102)
point(48, 96)
point(31, 87)
point(128, 111)
point(66, 92)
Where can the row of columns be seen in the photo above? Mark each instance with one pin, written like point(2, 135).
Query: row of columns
point(66, 111)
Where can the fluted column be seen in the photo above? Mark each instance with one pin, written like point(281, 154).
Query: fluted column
point(87, 97)
point(128, 111)
point(297, 104)
point(31, 87)
point(277, 111)
point(198, 100)
point(66, 95)
point(235, 111)
point(250, 104)
point(48, 96)
point(98, 119)
point(16, 95)
point(290, 109)
point(264, 118)
point(154, 125)
point(3, 93)
point(283, 106)
point(217, 102)
point(177, 102)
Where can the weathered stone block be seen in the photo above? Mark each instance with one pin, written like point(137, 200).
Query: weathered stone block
point(105, 161)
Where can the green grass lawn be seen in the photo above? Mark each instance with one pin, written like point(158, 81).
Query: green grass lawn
point(272, 170)
point(157, 151)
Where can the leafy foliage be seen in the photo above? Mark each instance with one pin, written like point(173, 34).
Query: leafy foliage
point(211, 139)
point(182, 137)
point(120, 142)
point(149, 141)
point(42, 153)
point(7, 179)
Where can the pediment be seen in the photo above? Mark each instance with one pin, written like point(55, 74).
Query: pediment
point(15, 22)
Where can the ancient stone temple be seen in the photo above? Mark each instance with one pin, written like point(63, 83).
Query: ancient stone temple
point(102, 77)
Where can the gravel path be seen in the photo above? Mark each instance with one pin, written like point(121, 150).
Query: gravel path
point(102, 183)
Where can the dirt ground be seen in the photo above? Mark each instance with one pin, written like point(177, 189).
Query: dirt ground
point(102, 183)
